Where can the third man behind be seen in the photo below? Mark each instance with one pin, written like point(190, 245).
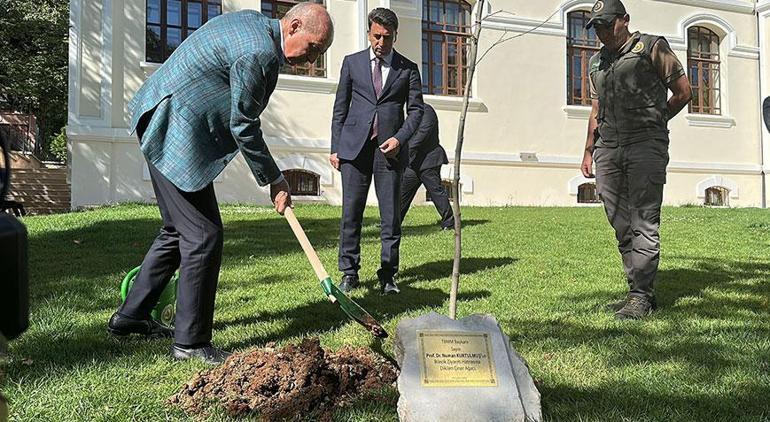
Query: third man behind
point(628, 140)
point(426, 156)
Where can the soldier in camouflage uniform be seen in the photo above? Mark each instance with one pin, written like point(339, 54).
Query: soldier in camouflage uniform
point(628, 141)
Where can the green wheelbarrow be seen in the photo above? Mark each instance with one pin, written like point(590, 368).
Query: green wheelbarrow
point(165, 310)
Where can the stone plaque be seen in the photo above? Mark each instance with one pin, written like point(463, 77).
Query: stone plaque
point(472, 372)
point(456, 359)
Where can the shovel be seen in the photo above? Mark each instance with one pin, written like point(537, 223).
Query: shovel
point(335, 295)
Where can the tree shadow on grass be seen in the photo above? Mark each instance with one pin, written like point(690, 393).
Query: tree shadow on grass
point(679, 374)
point(78, 272)
point(411, 230)
point(436, 270)
point(107, 248)
point(674, 285)
point(711, 329)
point(53, 351)
point(322, 316)
point(627, 401)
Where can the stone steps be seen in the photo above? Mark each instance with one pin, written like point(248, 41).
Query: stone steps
point(41, 190)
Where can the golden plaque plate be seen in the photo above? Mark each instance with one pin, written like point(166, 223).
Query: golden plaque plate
point(456, 359)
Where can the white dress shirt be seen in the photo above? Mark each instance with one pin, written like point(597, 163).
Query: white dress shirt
point(385, 64)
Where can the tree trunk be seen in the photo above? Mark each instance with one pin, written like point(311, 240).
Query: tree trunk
point(458, 158)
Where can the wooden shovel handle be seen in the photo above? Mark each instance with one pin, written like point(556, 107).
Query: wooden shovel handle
point(312, 256)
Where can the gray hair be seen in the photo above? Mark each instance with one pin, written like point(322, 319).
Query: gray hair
point(314, 16)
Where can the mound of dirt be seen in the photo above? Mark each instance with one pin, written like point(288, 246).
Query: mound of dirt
point(286, 384)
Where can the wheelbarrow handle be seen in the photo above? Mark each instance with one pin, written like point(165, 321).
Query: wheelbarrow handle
point(312, 256)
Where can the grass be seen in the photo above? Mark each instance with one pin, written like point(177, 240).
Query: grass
point(545, 273)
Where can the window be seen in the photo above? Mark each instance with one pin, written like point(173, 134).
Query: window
point(587, 194)
point(717, 196)
point(446, 30)
point(169, 22)
point(303, 182)
point(703, 64)
point(447, 186)
point(276, 9)
point(582, 43)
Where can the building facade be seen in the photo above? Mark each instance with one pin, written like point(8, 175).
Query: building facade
point(527, 119)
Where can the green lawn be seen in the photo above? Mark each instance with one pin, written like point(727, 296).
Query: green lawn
point(545, 273)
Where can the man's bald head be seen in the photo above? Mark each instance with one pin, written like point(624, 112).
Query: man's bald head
point(314, 20)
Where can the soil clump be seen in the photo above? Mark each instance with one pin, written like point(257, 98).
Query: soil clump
point(287, 384)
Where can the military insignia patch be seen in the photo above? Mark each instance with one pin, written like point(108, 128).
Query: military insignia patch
point(598, 6)
point(638, 47)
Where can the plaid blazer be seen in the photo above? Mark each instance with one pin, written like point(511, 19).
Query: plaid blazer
point(203, 103)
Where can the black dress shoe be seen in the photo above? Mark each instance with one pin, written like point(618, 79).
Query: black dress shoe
point(390, 288)
point(387, 283)
point(348, 283)
point(207, 353)
point(121, 326)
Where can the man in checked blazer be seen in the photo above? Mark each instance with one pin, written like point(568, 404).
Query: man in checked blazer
point(368, 133)
point(192, 116)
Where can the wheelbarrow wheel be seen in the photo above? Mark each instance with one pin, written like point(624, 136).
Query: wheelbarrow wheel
point(165, 310)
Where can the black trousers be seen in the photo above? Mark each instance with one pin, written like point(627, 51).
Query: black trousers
point(431, 178)
point(356, 178)
point(191, 240)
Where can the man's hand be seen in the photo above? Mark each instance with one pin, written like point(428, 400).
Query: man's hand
point(280, 195)
point(390, 147)
point(587, 165)
point(334, 161)
point(682, 94)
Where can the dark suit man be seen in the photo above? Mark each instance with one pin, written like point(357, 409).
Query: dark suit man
point(426, 156)
point(192, 116)
point(766, 112)
point(368, 133)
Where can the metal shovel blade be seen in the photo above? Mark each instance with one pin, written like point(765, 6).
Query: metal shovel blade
point(352, 309)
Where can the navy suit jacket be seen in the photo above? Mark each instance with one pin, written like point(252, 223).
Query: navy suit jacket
point(425, 152)
point(356, 103)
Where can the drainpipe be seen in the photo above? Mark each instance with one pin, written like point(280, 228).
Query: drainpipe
point(363, 23)
point(762, 129)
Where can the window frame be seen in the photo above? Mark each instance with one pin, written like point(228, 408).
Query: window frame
point(586, 46)
point(702, 61)
point(164, 26)
point(581, 194)
point(440, 31)
point(720, 190)
point(294, 179)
